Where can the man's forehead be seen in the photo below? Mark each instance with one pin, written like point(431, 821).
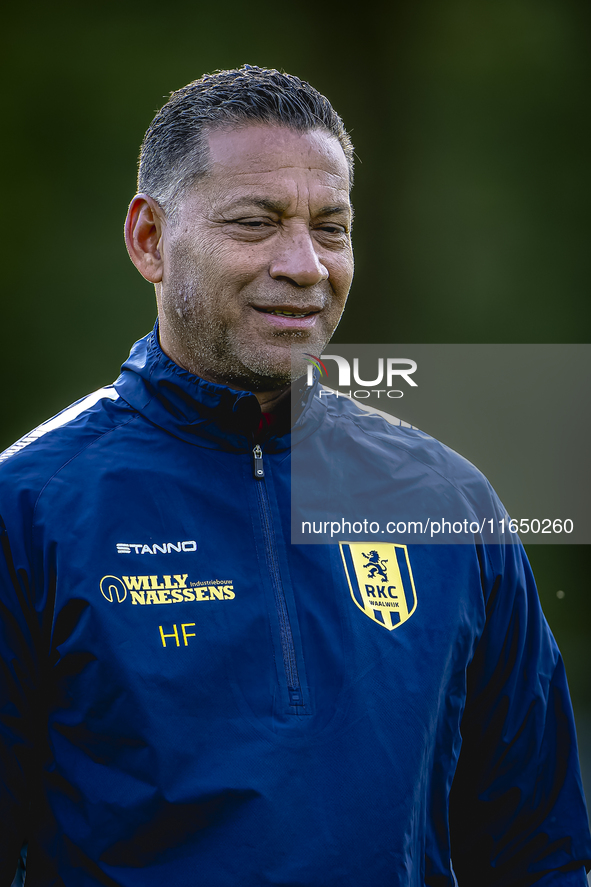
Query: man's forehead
point(261, 150)
point(275, 168)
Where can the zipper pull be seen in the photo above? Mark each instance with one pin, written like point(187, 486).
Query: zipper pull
point(257, 463)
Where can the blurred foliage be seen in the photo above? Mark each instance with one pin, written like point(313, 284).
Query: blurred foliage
point(471, 125)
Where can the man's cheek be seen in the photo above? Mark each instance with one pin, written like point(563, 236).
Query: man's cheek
point(235, 260)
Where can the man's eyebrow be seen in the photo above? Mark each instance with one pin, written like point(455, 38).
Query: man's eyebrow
point(274, 206)
point(278, 206)
point(337, 209)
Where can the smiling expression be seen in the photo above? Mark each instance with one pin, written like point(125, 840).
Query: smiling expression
point(257, 264)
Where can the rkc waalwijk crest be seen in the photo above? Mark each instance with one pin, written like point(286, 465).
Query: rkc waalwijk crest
point(380, 580)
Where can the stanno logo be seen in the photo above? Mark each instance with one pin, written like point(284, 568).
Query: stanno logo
point(167, 589)
point(380, 581)
point(165, 548)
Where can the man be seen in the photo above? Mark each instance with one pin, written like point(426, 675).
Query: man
point(189, 699)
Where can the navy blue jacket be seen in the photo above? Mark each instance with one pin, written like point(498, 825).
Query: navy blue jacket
point(189, 699)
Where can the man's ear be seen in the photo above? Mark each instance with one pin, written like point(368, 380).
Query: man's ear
point(143, 236)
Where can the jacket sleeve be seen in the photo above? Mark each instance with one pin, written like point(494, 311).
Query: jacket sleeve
point(19, 703)
point(517, 811)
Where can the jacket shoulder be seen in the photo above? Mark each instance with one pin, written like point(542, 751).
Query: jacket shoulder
point(36, 456)
point(400, 437)
point(435, 471)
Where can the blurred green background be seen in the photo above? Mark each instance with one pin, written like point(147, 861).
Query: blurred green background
point(471, 124)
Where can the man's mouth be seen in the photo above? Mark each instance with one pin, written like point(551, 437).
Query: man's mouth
point(286, 319)
point(287, 312)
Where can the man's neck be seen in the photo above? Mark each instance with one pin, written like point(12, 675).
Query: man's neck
point(269, 400)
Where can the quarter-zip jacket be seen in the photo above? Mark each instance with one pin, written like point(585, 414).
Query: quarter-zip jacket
point(187, 698)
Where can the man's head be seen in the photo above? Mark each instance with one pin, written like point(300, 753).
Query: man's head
point(174, 153)
point(243, 218)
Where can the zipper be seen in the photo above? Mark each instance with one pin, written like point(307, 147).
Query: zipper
point(294, 689)
point(257, 463)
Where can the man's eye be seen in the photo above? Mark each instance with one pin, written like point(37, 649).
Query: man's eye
point(333, 229)
point(253, 223)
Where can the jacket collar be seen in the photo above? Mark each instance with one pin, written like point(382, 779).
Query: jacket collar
point(203, 413)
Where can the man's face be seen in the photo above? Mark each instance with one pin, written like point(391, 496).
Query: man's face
point(259, 257)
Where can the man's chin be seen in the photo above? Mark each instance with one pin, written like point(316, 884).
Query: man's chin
point(271, 369)
point(269, 378)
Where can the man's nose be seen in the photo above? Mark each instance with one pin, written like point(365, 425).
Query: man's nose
point(298, 261)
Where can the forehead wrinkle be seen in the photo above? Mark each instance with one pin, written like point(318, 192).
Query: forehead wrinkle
point(261, 151)
point(224, 168)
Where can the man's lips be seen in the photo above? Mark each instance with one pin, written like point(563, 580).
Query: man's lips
point(289, 316)
point(288, 310)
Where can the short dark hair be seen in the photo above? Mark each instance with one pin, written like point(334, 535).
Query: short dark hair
point(174, 151)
